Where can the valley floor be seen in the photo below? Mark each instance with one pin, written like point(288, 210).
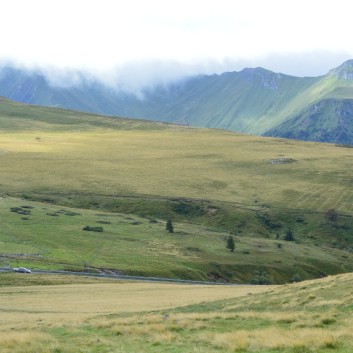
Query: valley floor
point(66, 314)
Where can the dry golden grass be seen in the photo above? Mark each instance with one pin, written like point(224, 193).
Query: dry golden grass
point(38, 306)
point(276, 338)
point(26, 312)
point(134, 317)
point(157, 328)
point(27, 341)
point(179, 162)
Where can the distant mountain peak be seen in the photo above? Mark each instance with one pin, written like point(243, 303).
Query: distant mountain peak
point(257, 71)
point(266, 78)
point(344, 71)
point(253, 100)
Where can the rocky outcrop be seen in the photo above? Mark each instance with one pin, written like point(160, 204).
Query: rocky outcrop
point(344, 71)
point(262, 77)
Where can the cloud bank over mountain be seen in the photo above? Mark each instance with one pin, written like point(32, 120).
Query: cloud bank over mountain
point(135, 44)
point(137, 76)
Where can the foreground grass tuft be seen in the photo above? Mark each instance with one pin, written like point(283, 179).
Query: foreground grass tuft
point(28, 341)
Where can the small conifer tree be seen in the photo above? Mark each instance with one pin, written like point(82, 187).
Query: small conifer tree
point(169, 226)
point(230, 243)
point(289, 235)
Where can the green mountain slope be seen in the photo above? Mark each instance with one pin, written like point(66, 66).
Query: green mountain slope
point(86, 94)
point(329, 115)
point(327, 120)
point(248, 101)
point(255, 101)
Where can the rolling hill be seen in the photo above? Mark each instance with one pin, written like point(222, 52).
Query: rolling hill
point(63, 171)
point(255, 101)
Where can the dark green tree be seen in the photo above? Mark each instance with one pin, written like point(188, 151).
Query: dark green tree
point(230, 243)
point(169, 226)
point(289, 235)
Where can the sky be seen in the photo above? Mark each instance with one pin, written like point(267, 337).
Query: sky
point(138, 42)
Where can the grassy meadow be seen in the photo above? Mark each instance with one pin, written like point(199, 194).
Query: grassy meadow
point(63, 171)
point(179, 162)
point(70, 170)
point(44, 150)
point(70, 314)
point(52, 237)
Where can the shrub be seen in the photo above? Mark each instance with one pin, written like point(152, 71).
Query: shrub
point(188, 208)
point(93, 229)
point(15, 209)
point(260, 277)
point(267, 222)
point(136, 223)
point(289, 235)
point(328, 321)
point(296, 278)
point(71, 213)
point(20, 210)
point(193, 248)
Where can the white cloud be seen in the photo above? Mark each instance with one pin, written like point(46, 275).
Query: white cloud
point(194, 35)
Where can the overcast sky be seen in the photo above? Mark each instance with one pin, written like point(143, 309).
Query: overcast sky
point(143, 41)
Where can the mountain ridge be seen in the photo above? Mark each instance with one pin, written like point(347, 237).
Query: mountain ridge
point(253, 100)
point(344, 71)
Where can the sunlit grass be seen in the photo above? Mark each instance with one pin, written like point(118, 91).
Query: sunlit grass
point(27, 341)
point(147, 169)
point(178, 162)
point(52, 237)
point(155, 317)
point(32, 305)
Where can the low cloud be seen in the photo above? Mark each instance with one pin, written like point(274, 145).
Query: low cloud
point(137, 76)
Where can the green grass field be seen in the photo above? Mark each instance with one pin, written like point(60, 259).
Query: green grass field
point(135, 175)
point(52, 237)
point(51, 314)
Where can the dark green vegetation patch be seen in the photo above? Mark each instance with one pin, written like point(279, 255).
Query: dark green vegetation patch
point(93, 229)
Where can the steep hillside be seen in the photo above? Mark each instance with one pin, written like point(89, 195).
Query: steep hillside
point(327, 120)
point(83, 93)
point(255, 101)
point(248, 101)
